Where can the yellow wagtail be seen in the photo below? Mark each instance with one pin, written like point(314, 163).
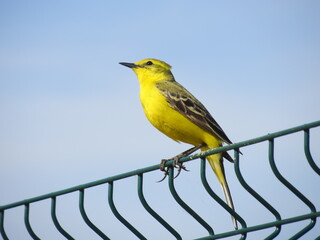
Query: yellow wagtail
point(174, 111)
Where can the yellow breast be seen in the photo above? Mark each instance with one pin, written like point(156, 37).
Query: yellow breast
point(171, 122)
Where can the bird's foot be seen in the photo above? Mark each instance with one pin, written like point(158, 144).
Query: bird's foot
point(175, 164)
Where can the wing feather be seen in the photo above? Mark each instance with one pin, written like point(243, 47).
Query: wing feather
point(184, 102)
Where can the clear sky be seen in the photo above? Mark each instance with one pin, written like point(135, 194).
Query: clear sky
point(70, 114)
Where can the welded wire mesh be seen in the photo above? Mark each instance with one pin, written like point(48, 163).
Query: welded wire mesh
point(304, 223)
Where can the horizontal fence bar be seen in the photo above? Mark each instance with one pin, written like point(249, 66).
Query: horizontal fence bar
point(262, 226)
point(249, 142)
point(157, 166)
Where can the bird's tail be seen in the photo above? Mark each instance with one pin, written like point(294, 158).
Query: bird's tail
point(216, 162)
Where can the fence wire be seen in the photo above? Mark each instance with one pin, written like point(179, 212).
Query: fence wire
point(308, 219)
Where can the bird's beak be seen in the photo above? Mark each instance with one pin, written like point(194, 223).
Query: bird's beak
point(129, 65)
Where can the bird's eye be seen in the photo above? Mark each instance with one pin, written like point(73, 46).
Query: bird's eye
point(149, 63)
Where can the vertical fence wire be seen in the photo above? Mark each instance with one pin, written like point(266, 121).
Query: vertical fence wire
point(256, 195)
point(217, 198)
point(152, 212)
point(119, 216)
point(295, 191)
point(85, 216)
point(27, 222)
point(308, 153)
point(184, 205)
point(55, 219)
point(2, 231)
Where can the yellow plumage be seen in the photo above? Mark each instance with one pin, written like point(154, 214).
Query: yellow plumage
point(178, 114)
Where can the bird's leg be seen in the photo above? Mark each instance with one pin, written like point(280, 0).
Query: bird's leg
point(176, 162)
point(176, 158)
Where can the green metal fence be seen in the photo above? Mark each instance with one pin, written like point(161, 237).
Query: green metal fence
point(308, 219)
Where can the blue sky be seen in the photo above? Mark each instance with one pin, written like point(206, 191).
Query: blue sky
point(71, 114)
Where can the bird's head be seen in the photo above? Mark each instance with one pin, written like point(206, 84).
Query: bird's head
point(151, 70)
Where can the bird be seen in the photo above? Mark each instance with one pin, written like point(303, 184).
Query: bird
point(175, 112)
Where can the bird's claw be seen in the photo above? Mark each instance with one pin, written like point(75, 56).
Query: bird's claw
point(175, 164)
point(179, 166)
point(164, 169)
